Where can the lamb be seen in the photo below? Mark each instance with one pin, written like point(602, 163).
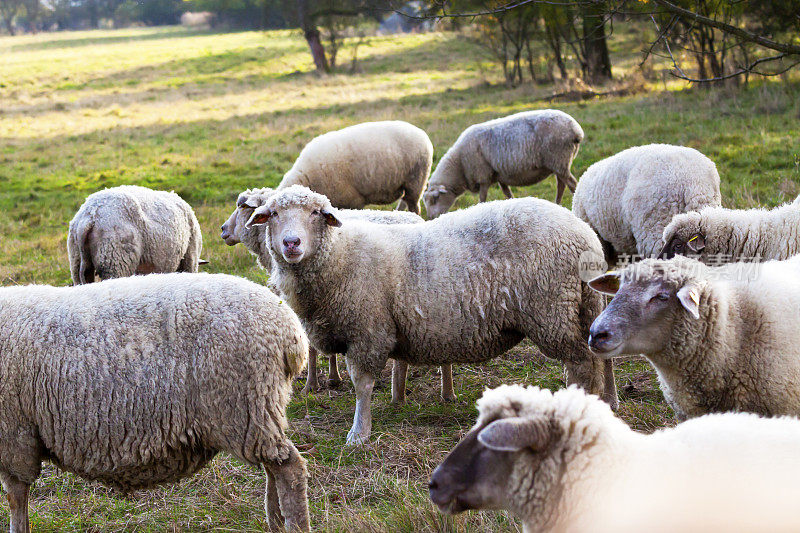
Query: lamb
point(631, 196)
point(235, 231)
point(454, 290)
point(717, 235)
point(563, 462)
point(129, 230)
point(520, 149)
point(720, 339)
point(182, 366)
point(369, 163)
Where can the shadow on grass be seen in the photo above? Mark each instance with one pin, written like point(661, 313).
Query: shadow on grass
point(170, 32)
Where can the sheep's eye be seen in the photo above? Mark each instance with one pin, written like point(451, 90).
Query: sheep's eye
point(315, 212)
point(679, 246)
point(661, 296)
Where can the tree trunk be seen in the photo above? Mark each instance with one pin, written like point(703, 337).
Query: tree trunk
point(311, 33)
point(598, 62)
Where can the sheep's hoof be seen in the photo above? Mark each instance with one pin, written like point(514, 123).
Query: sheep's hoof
point(356, 439)
point(312, 385)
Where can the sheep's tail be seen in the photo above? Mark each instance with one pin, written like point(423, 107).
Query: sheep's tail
point(86, 266)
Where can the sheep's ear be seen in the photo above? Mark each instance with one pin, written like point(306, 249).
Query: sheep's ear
point(697, 243)
point(245, 201)
point(202, 262)
point(607, 283)
point(689, 296)
point(260, 216)
point(331, 220)
point(514, 434)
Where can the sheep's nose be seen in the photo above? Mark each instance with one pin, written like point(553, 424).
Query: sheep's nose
point(291, 241)
point(433, 484)
point(597, 337)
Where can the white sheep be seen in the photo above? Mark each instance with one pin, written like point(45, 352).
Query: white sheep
point(520, 149)
point(234, 231)
point(630, 197)
point(369, 163)
point(720, 339)
point(458, 289)
point(563, 462)
point(720, 235)
point(140, 381)
point(129, 230)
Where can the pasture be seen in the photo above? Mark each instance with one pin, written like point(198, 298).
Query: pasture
point(209, 114)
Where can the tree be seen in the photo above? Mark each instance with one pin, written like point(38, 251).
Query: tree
point(9, 10)
point(598, 62)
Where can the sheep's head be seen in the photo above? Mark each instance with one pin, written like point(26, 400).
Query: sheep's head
point(684, 235)
point(248, 201)
point(297, 219)
point(438, 200)
point(649, 298)
point(507, 460)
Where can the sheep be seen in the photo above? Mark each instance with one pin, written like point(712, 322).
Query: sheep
point(140, 381)
point(717, 235)
point(631, 196)
point(234, 231)
point(563, 462)
point(520, 149)
point(369, 163)
point(458, 289)
point(129, 230)
point(720, 339)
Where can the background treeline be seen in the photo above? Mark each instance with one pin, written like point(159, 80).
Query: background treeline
point(536, 40)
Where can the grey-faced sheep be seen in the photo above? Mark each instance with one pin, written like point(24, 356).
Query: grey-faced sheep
point(129, 230)
point(563, 462)
point(369, 163)
point(520, 149)
point(630, 197)
point(460, 289)
point(234, 231)
point(720, 235)
point(720, 339)
point(140, 381)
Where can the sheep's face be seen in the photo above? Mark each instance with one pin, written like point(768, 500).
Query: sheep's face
point(684, 236)
point(641, 317)
point(478, 473)
point(246, 204)
point(295, 232)
point(437, 201)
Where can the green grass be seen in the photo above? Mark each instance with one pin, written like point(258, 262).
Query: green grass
point(209, 114)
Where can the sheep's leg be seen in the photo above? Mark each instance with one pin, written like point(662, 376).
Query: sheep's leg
point(17, 495)
point(334, 378)
point(363, 382)
point(610, 387)
point(399, 373)
point(448, 394)
point(312, 385)
point(291, 486)
point(483, 191)
point(272, 505)
point(506, 190)
point(559, 191)
point(591, 375)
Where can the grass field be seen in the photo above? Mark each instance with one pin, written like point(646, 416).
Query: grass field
point(210, 114)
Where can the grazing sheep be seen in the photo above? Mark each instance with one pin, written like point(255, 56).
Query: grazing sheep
point(721, 339)
point(140, 381)
point(630, 197)
point(254, 238)
point(129, 230)
point(459, 289)
point(563, 462)
point(369, 163)
point(720, 235)
point(520, 149)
